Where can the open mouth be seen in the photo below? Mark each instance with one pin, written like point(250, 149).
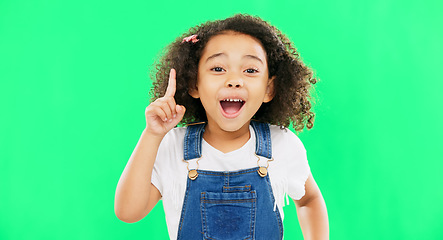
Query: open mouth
point(231, 107)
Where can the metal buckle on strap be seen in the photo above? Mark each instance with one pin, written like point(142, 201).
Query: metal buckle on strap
point(192, 174)
point(263, 171)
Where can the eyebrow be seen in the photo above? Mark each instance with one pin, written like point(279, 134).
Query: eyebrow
point(253, 57)
point(223, 54)
point(215, 55)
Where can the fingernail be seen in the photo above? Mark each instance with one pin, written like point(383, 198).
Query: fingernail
point(165, 119)
point(170, 120)
point(175, 115)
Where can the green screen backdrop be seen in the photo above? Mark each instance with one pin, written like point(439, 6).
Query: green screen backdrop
point(74, 87)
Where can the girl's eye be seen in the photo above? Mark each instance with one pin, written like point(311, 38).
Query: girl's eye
point(217, 69)
point(251, 70)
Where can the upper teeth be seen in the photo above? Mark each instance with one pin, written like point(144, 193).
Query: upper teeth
point(233, 100)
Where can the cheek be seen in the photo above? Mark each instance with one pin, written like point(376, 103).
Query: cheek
point(209, 84)
point(258, 86)
point(205, 91)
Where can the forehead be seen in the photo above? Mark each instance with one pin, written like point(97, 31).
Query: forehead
point(234, 44)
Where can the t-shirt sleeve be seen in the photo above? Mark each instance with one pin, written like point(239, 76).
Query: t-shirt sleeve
point(298, 169)
point(155, 179)
point(163, 154)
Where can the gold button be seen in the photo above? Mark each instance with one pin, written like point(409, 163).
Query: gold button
point(262, 171)
point(193, 174)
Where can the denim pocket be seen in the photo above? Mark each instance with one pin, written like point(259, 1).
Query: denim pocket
point(228, 215)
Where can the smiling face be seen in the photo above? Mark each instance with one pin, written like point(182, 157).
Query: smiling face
point(232, 80)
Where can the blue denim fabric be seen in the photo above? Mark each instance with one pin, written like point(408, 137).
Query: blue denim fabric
point(263, 144)
point(193, 141)
point(194, 135)
point(229, 205)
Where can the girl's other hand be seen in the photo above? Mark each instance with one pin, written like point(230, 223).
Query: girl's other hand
point(164, 114)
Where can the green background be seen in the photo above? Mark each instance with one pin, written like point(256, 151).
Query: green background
point(74, 87)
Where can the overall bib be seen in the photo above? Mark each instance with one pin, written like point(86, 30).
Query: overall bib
point(229, 205)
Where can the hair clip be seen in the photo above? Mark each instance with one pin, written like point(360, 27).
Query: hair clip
point(192, 38)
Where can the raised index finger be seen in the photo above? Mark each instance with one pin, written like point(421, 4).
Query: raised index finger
point(170, 91)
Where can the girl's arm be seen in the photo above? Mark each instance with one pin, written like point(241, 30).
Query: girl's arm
point(312, 213)
point(135, 196)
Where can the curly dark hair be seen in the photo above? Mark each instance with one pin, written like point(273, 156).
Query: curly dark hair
point(293, 79)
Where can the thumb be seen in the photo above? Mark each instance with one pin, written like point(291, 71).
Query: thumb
point(177, 118)
point(180, 111)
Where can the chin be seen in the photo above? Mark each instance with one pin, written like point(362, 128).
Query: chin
point(232, 125)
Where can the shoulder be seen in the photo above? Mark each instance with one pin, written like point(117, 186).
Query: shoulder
point(175, 135)
point(170, 150)
point(171, 145)
point(176, 132)
point(285, 137)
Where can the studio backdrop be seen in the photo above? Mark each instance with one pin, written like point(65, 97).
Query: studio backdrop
point(75, 84)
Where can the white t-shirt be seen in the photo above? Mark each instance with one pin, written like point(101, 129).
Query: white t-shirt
point(287, 173)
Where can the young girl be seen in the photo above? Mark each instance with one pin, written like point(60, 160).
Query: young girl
point(237, 84)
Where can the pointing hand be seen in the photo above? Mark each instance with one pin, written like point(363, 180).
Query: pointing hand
point(164, 114)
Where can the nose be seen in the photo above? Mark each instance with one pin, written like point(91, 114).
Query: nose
point(234, 81)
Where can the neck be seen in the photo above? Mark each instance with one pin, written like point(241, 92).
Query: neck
point(226, 141)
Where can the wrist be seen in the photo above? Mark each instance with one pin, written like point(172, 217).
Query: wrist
point(152, 135)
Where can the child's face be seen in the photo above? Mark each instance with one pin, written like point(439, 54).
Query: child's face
point(232, 80)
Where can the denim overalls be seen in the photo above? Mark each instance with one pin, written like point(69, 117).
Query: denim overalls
point(229, 205)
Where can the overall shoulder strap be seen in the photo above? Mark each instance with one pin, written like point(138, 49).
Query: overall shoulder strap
point(263, 145)
point(194, 135)
point(193, 139)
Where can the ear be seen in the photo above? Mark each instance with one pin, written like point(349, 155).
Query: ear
point(270, 90)
point(193, 91)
